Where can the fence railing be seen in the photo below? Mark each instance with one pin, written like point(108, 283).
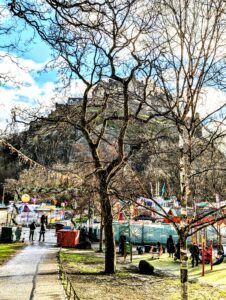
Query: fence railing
point(67, 283)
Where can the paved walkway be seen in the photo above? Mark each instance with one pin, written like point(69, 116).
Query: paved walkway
point(33, 273)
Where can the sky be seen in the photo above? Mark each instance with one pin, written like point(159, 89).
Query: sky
point(30, 85)
point(34, 86)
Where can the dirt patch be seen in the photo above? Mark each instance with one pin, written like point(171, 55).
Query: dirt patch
point(91, 283)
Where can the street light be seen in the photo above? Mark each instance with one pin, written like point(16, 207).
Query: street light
point(3, 194)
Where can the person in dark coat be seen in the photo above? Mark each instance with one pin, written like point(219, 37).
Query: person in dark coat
point(32, 227)
point(44, 220)
point(170, 246)
point(194, 249)
point(177, 252)
point(122, 241)
point(42, 232)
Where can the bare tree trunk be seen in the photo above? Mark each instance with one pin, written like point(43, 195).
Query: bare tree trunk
point(110, 255)
point(183, 266)
point(185, 193)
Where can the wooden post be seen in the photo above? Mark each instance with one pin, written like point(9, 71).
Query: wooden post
point(211, 255)
point(203, 256)
point(3, 195)
point(125, 251)
point(142, 234)
point(131, 246)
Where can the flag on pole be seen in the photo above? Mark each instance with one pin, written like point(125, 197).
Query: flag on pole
point(163, 189)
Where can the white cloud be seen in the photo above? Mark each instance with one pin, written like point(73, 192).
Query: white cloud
point(20, 88)
point(24, 90)
point(211, 101)
point(77, 88)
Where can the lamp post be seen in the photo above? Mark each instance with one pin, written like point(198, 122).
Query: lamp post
point(3, 195)
point(131, 247)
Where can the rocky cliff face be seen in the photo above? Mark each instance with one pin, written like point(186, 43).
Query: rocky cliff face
point(9, 167)
point(44, 142)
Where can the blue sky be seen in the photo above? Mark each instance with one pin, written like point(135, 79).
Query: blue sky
point(33, 85)
point(30, 84)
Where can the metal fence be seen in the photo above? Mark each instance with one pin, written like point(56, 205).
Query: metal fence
point(67, 282)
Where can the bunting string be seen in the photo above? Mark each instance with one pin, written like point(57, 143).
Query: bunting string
point(24, 158)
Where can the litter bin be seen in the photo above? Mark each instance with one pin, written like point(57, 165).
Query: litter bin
point(68, 238)
point(59, 226)
point(7, 235)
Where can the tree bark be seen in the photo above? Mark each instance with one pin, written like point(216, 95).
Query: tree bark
point(110, 258)
point(185, 194)
point(183, 266)
point(110, 255)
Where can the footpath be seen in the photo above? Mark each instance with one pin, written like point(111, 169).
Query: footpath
point(33, 274)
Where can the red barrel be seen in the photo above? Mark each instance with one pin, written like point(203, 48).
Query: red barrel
point(59, 235)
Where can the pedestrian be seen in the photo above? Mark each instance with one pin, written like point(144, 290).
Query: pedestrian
point(122, 244)
point(46, 220)
point(43, 219)
point(194, 249)
point(42, 232)
point(159, 248)
point(32, 231)
point(170, 246)
point(177, 251)
point(18, 233)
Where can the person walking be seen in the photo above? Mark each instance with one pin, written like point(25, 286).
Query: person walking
point(32, 231)
point(194, 254)
point(42, 232)
point(122, 242)
point(177, 251)
point(170, 246)
point(43, 219)
point(159, 248)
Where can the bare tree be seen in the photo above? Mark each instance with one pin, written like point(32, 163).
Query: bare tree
point(103, 46)
point(192, 62)
point(176, 50)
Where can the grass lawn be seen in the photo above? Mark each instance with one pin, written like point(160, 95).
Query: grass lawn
point(86, 271)
point(8, 250)
point(215, 277)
